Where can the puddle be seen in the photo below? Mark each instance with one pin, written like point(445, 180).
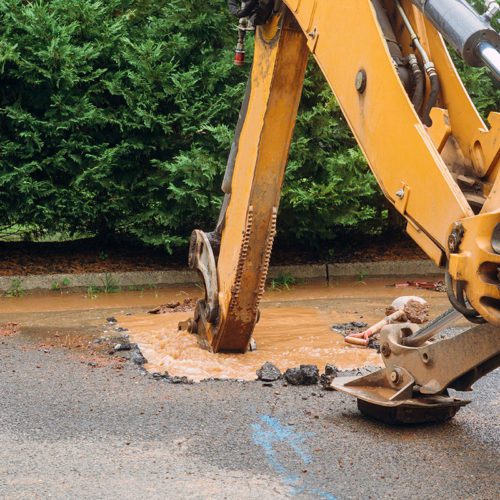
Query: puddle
point(294, 328)
point(57, 301)
point(285, 336)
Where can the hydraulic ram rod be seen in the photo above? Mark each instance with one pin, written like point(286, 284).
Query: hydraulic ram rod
point(470, 34)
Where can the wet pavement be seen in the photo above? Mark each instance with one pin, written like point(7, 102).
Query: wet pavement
point(73, 428)
point(294, 329)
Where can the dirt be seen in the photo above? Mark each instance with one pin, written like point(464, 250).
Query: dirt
point(8, 329)
point(85, 344)
point(187, 304)
point(295, 327)
point(90, 255)
point(285, 336)
point(415, 311)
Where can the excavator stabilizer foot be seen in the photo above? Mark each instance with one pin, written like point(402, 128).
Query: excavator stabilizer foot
point(380, 402)
point(429, 412)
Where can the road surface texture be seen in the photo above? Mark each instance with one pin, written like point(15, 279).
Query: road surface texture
point(69, 429)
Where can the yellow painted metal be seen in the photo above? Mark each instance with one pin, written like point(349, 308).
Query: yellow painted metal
point(415, 165)
point(441, 129)
point(478, 265)
point(463, 116)
point(250, 223)
point(403, 154)
point(485, 148)
point(391, 135)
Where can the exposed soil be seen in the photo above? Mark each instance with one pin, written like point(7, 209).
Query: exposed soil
point(24, 258)
point(8, 329)
point(186, 305)
point(295, 327)
point(84, 344)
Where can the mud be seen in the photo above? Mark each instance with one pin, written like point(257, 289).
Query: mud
point(295, 326)
point(187, 304)
point(65, 301)
point(417, 312)
point(8, 329)
point(84, 344)
point(285, 336)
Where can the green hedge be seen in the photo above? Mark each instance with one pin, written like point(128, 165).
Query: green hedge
point(116, 117)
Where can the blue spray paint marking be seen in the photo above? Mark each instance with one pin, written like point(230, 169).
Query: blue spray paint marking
point(273, 432)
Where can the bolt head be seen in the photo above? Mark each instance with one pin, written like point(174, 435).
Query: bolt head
point(400, 194)
point(453, 242)
point(395, 377)
point(360, 81)
point(385, 350)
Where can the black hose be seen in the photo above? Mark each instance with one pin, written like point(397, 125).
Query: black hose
point(433, 97)
point(419, 81)
point(239, 9)
point(461, 297)
point(392, 44)
point(459, 302)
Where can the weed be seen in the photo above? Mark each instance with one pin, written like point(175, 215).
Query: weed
point(103, 256)
point(16, 288)
point(109, 284)
point(284, 280)
point(135, 288)
point(361, 278)
point(92, 291)
point(59, 285)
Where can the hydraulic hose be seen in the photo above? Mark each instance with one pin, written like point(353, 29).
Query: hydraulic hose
point(239, 9)
point(419, 80)
point(433, 96)
point(459, 302)
point(430, 69)
point(392, 44)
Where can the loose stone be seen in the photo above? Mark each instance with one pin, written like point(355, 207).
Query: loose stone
point(268, 372)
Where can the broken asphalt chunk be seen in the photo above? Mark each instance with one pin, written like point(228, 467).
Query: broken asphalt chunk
point(268, 372)
point(305, 375)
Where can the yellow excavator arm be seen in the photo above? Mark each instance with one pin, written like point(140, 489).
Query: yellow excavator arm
point(435, 159)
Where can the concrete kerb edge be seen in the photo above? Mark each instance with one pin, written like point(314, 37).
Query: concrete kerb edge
point(187, 277)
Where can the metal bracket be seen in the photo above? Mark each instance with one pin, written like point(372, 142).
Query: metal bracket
point(413, 385)
point(201, 258)
point(402, 197)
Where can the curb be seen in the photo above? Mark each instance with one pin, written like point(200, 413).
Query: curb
point(328, 272)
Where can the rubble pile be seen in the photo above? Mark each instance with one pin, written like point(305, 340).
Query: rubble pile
point(186, 305)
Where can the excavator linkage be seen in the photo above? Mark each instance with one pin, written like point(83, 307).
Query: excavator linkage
point(434, 158)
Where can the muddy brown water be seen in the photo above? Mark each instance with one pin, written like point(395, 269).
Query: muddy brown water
point(295, 325)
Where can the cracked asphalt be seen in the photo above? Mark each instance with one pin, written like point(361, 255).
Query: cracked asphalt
point(68, 430)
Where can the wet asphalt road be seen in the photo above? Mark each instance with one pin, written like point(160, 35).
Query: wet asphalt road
point(68, 430)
